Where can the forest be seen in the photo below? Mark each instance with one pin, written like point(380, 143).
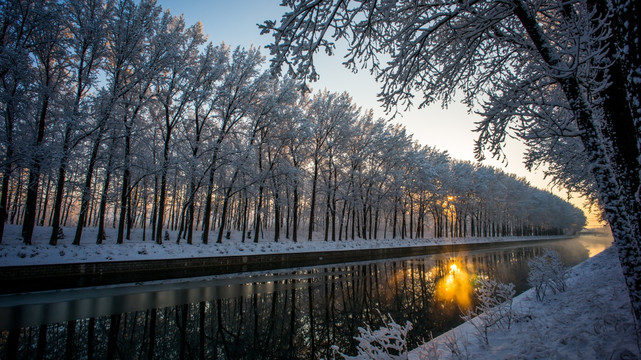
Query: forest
point(119, 114)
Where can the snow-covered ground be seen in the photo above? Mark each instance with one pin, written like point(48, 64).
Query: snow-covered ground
point(14, 252)
point(591, 320)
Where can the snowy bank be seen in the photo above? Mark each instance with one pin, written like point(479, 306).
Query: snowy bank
point(14, 253)
point(592, 319)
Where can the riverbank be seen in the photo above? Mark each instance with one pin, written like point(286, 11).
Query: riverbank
point(591, 320)
point(14, 253)
point(45, 267)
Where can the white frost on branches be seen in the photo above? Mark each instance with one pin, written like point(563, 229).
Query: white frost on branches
point(494, 308)
point(547, 272)
point(387, 343)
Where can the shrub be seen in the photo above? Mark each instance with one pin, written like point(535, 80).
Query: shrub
point(458, 347)
point(547, 271)
point(388, 342)
point(494, 307)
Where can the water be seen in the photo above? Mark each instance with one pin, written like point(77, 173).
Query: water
point(291, 313)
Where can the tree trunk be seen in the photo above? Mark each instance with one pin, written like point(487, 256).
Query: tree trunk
point(86, 190)
point(327, 205)
point(29, 220)
point(190, 214)
point(333, 210)
point(8, 167)
point(245, 205)
point(46, 201)
point(163, 190)
point(4, 199)
point(207, 212)
point(276, 216)
point(259, 206)
point(60, 186)
point(295, 215)
point(394, 218)
point(223, 215)
point(312, 205)
point(103, 197)
point(124, 192)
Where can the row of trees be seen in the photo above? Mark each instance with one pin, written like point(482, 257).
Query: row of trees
point(119, 111)
point(561, 75)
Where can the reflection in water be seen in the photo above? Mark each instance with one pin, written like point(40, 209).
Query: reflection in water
point(596, 240)
point(456, 286)
point(294, 314)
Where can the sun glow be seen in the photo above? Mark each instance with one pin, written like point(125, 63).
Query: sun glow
point(455, 287)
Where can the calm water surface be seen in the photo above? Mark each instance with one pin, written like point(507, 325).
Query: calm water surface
point(288, 314)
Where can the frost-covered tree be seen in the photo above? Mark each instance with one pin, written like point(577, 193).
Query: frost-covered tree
point(296, 135)
point(208, 71)
point(86, 22)
point(540, 69)
point(47, 46)
point(16, 76)
point(128, 33)
point(237, 90)
point(327, 112)
point(173, 89)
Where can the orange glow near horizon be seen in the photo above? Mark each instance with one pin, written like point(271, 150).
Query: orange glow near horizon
point(455, 286)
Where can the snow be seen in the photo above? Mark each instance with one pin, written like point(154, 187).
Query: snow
point(592, 319)
point(14, 253)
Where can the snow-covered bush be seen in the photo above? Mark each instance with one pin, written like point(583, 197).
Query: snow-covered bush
point(429, 350)
point(494, 307)
point(458, 347)
point(388, 342)
point(547, 271)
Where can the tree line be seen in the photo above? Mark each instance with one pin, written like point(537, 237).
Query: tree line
point(562, 76)
point(120, 114)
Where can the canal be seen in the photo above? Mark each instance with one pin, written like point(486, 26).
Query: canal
point(285, 314)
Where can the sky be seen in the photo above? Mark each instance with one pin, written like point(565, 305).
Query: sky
point(451, 129)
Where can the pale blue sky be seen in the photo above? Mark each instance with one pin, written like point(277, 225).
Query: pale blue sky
point(235, 23)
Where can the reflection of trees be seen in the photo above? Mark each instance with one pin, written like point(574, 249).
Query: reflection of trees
point(298, 318)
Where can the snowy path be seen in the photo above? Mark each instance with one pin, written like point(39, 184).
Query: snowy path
point(591, 320)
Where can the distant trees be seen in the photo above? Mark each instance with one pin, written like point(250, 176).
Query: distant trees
point(119, 114)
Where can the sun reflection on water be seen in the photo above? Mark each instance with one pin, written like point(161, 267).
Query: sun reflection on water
point(456, 286)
